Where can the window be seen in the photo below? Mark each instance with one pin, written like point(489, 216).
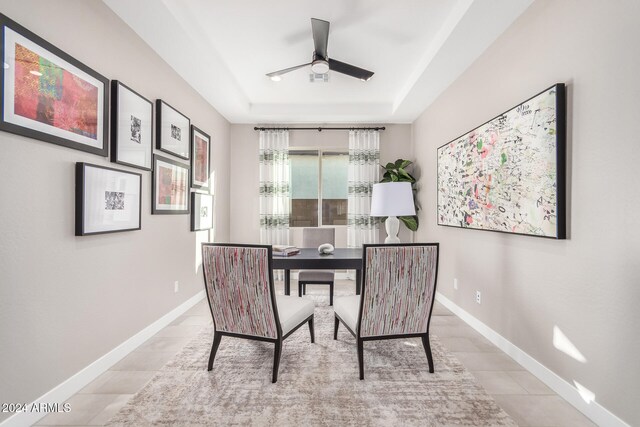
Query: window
point(318, 179)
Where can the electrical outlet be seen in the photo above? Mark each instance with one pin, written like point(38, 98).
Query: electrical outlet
point(455, 284)
point(176, 286)
point(478, 297)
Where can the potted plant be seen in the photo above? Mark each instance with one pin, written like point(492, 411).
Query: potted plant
point(396, 172)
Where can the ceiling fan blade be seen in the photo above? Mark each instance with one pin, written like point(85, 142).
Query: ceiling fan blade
point(286, 70)
point(320, 30)
point(350, 70)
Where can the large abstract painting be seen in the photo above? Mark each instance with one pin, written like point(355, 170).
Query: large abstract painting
point(48, 95)
point(508, 174)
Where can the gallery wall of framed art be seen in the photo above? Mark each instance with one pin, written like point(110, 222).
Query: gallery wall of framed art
point(49, 95)
point(508, 174)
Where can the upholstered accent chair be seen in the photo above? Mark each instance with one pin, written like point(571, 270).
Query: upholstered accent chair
point(398, 292)
point(239, 284)
point(312, 238)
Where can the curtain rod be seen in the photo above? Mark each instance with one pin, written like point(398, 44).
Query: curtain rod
point(320, 129)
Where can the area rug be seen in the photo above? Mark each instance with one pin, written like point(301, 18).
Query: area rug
point(317, 385)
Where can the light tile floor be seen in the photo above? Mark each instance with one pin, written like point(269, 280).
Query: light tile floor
point(519, 393)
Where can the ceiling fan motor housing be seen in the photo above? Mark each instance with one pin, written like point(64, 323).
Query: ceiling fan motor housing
point(319, 65)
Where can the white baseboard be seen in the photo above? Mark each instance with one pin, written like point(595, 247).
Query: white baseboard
point(594, 411)
point(77, 382)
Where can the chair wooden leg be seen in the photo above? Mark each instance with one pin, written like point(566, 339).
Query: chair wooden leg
point(331, 293)
point(304, 289)
point(276, 361)
point(361, 357)
point(427, 349)
point(217, 336)
point(313, 336)
point(300, 289)
point(335, 328)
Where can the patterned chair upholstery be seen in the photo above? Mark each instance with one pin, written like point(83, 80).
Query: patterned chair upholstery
point(398, 292)
point(239, 284)
point(312, 238)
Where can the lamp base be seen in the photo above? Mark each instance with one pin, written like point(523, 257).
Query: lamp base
point(392, 225)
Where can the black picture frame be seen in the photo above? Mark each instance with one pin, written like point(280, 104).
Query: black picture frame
point(551, 128)
point(33, 114)
point(200, 201)
point(172, 130)
point(165, 168)
point(101, 192)
point(197, 160)
point(131, 135)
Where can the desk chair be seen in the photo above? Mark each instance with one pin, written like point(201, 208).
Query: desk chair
point(239, 284)
point(398, 291)
point(312, 238)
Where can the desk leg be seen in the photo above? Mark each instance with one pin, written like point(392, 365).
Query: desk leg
point(358, 281)
point(287, 282)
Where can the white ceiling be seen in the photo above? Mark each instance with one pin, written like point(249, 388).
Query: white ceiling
point(223, 49)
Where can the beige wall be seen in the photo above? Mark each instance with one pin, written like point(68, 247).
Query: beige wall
point(64, 300)
point(395, 142)
point(588, 285)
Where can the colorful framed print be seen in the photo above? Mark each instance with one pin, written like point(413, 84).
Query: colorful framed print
point(50, 96)
point(131, 127)
point(170, 187)
point(508, 174)
point(201, 211)
point(107, 200)
point(172, 130)
point(200, 158)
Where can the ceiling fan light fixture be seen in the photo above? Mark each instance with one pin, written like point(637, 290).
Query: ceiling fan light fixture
point(320, 66)
point(275, 78)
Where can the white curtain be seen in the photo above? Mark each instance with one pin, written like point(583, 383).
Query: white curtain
point(364, 171)
point(274, 187)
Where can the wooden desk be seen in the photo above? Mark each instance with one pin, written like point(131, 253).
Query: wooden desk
point(310, 259)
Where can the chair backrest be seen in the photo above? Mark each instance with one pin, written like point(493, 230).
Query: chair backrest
point(312, 237)
point(239, 284)
point(398, 290)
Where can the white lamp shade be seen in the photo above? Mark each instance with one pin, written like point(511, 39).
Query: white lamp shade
point(392, 199)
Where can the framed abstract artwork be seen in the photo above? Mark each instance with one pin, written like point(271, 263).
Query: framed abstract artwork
point(131, 127)
point(201, 211)
point(200, 157)
point(508, 174)
point(172, 130)
point(107, 200)
point(50, 96)
point(170, 187)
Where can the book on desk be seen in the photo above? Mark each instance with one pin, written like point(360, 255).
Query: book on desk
point(285, 250)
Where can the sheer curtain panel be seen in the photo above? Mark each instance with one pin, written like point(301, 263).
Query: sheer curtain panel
point(274, 187)
point(364, 171)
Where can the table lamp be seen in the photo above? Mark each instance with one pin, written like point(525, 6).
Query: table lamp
point(392, 199)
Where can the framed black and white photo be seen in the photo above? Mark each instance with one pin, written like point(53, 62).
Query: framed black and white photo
point(170, 187)
point(131, 127)
point(200, 158)
point(49, 95)
point(201, 211)
point(172, 130)
point(107, 200)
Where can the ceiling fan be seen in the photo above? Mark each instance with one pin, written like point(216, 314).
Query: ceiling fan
point(321, 63)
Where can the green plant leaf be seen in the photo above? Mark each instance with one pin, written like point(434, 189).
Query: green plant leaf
point(406, 163)
point(398, 163)
point(404, 176)
point(390, 166)
point(410, 221)
point(394, 178)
